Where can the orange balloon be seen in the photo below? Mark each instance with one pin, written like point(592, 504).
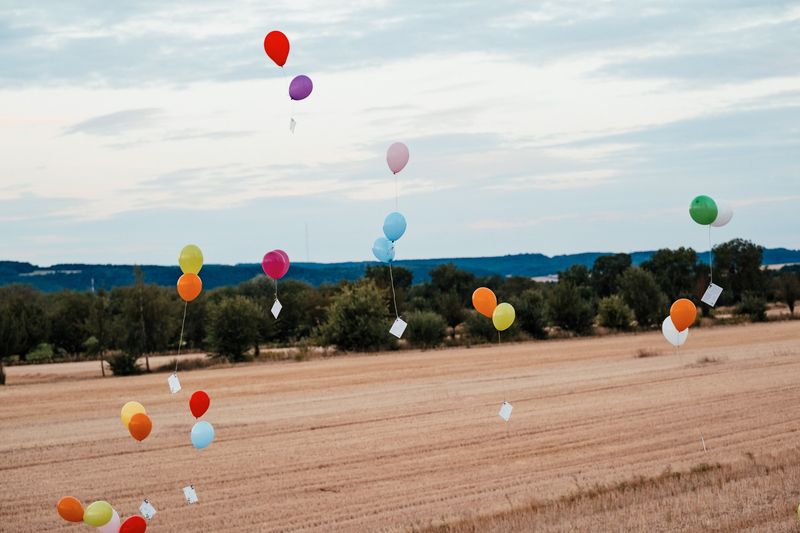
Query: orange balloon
point(189, 287)
point(683, 312)
point(484, 301)
point(140, 426)
point(70, 509)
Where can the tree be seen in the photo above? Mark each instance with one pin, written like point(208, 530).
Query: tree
point(675, 271)
point(233, 327)
point(357, 319)
point(23, 324)
point(753, 305)
point(606, 272)
point(69, 311)
point(614, 313)
point(532, 312)
point(450, 306)
point(640, 291)
point(98, 326)
point(570, 309)
point(788, 288)
point(449, 279)
point(737, 268)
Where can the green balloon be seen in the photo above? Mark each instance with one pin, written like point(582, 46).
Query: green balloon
point(703, 210)
point(98, 514)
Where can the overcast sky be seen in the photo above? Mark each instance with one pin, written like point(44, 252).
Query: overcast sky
point(131, 129)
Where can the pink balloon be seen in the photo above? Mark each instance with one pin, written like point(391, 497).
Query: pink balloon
point(286, 261)
point(397, 157)
point(112, 526)
point(274, 265)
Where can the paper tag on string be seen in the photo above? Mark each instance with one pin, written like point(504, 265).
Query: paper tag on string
point(505, 411)
point(398, 328)
point(276, 308)
point(292, 124)
point(174, 383)
point(190, 494)
point(147, 510)
point(711, 295)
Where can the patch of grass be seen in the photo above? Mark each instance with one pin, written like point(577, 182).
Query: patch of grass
point(644, 352)
point(706, 360)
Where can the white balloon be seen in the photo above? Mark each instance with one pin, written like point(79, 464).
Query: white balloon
point(724, 214)
point(113, 525)
point(671, 333)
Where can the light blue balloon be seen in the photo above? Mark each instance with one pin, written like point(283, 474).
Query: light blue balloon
point(394, 226)
point(202, 434)
point(383, 249)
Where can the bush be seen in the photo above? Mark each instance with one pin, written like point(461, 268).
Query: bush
point(42, 353)
point(570, 310)
point(357, 319)
point(234, 327)
point(614, 313)
point(640, 291)
point(753, 306)
point(124, 365)
point(532, 313)
point(426, 329)
point(479, 328)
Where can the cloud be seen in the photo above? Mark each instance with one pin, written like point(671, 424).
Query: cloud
point(117, 123)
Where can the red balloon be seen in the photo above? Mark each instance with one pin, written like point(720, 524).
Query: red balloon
point(133, 524)
point(275, 264)
point(285, 256)
point(276, 45)
point(199, 403)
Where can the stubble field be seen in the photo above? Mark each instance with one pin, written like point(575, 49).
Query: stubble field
point(605, 435)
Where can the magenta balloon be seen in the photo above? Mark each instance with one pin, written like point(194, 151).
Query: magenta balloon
point(286, 261)
point(397, 157)
point(300, 87)
point(273, 265)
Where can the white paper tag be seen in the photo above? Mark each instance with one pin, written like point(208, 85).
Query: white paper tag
point(398, 328)
point(147, 510)
point(190, 494)
point(505, 411)
point(292, 124)
point(711, 295)
point(276, 308)
point(174, 383)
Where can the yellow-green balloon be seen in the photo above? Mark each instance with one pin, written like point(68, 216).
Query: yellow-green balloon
point(130, 409)
point(191, 259)
point(503, 316)
point(98, 514)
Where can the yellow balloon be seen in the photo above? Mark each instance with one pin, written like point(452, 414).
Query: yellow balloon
point(130, 409)
point(98, 514)
point(503, 316)
point(191, 259)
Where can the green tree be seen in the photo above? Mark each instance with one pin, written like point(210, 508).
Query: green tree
point(23, 324)
point(449, 279)
point(753, 305)
point(614, 313)
point(426, 329)
point(532, 312)
point(357, 319)
point(737, 268)
point(233, 327)
point(787, 285)
point(675, 271)
point(606, 272)
point(98, 325)
point(450, 306)
point(69, 311)
point(479, 328)
point(570, 309)
point(640, 291)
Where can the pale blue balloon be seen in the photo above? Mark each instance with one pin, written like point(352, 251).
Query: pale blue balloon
point(383, 249)
point(202, 434)
point(394, 226)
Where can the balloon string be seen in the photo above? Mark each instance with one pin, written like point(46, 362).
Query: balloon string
point(688, 395)
point(180, 340)
point(396, 194)
point(394, 296)
point(276, 289)
point(710, 258)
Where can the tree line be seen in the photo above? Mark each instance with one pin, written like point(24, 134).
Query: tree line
point(124, 324)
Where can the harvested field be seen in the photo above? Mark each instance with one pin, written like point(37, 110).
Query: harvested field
point(601, 438)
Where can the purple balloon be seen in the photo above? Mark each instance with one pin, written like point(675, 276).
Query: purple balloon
point(300, 87)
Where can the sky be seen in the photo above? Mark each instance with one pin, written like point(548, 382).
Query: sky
point(131, 129)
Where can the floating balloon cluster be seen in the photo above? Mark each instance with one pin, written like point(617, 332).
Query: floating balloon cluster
point(134, 417)
point(276, 45)
point(275, 265)
point(189, 284)
point(675, 327)
point(485, 302)
point(705, 211)
point(202, 432)
point(99, 514)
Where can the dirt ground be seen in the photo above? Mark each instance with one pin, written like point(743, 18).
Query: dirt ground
point(604, 436)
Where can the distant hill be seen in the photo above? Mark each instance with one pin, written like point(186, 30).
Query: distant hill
point(79, 276)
